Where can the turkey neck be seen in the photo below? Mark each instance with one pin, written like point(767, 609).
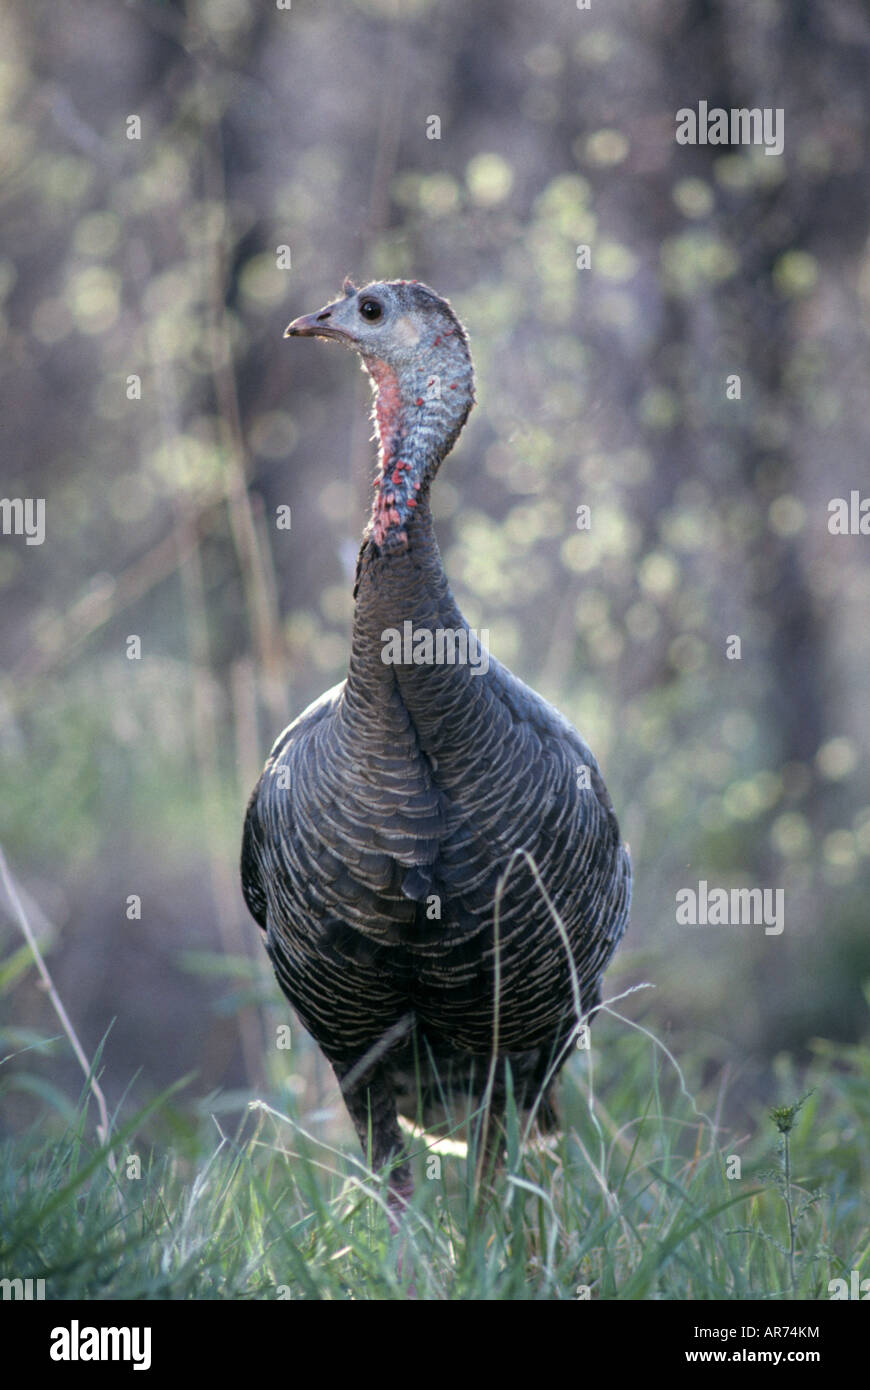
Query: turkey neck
point(400, 574)
point(394, 589)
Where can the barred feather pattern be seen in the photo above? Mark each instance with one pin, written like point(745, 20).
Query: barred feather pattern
point(412, 785)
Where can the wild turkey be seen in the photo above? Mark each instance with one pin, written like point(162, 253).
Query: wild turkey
point(388, 811)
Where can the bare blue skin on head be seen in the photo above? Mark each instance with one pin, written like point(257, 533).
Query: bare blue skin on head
point(416, 353)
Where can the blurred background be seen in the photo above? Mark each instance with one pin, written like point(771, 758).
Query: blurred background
point(148, 396)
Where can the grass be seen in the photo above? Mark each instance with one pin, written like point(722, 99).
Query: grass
point(240, 1199)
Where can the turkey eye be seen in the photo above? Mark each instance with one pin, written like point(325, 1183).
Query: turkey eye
point(371, 310)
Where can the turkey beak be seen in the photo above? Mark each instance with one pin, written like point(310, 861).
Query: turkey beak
point(318, 325)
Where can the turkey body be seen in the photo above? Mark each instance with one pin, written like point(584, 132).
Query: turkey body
point(384, 855)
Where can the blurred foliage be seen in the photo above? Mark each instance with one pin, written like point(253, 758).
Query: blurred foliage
point(159, 258)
